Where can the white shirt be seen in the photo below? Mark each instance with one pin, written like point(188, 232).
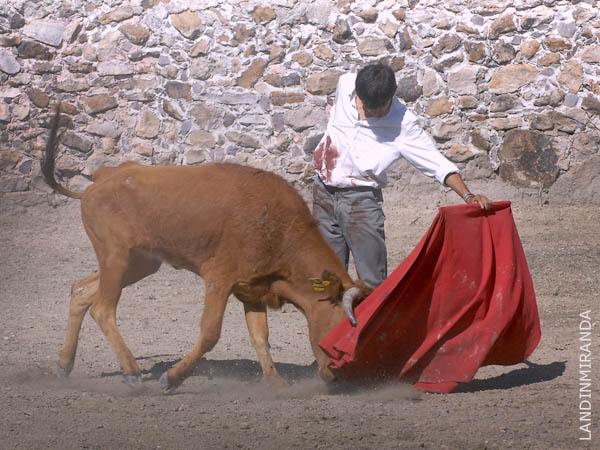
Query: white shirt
point(357, 152)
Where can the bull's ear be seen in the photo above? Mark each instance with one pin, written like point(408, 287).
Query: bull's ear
point(335, 284)
point(330, 276)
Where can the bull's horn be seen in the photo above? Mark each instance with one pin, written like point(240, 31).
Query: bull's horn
point(350, 296)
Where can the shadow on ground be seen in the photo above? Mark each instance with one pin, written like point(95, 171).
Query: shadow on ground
point(244, 370)
point(533, 373)
point(248, 371)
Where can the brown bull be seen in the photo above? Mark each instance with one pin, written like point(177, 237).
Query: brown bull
point(245, 231)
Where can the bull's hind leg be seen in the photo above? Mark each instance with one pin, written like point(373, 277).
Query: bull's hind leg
point(101, 292)
point(104, 310)
point(118, 270)
point(82, 294)
point(210, 332)
point(256, 319)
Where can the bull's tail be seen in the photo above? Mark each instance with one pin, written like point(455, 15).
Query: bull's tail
point(50, 155)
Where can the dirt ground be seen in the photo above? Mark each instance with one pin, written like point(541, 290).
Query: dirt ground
point(224, 405)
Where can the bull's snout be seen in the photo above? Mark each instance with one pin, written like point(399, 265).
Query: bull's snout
point(327, 374)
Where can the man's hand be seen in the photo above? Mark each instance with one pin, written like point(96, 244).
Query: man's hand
point(481, 199)
point(456, 183)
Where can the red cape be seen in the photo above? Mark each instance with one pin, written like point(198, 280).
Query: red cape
point(462, 299)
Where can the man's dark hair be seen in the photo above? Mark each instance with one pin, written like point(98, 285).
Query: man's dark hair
point(375, 85)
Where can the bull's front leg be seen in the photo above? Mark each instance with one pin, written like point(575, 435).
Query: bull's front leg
point(256, 319)
point(210, 332)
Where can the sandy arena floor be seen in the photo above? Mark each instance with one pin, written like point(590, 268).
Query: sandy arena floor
point(224, 405)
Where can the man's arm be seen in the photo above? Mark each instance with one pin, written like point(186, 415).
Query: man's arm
point(456, 183)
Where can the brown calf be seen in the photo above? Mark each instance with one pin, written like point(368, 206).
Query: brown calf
point(243, 230)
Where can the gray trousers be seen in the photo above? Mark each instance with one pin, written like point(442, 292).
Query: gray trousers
point(352, 220)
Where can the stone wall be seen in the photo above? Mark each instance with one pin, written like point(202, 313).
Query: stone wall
point(509, 89)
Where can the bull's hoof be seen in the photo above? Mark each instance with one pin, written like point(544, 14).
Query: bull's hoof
point(133, 381)
point(165, 385)
point(275, 381)
point(62, 372)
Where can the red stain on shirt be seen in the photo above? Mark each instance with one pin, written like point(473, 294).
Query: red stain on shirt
point(328, 154)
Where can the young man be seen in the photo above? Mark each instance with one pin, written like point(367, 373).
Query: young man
point(368, 130)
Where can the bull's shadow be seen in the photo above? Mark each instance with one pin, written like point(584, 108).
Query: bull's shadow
point(243, 370)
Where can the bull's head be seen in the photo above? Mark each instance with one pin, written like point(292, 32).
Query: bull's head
point(335, 302)
point(333, 291)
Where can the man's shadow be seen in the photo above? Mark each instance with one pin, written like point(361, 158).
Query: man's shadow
point(533, 373)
